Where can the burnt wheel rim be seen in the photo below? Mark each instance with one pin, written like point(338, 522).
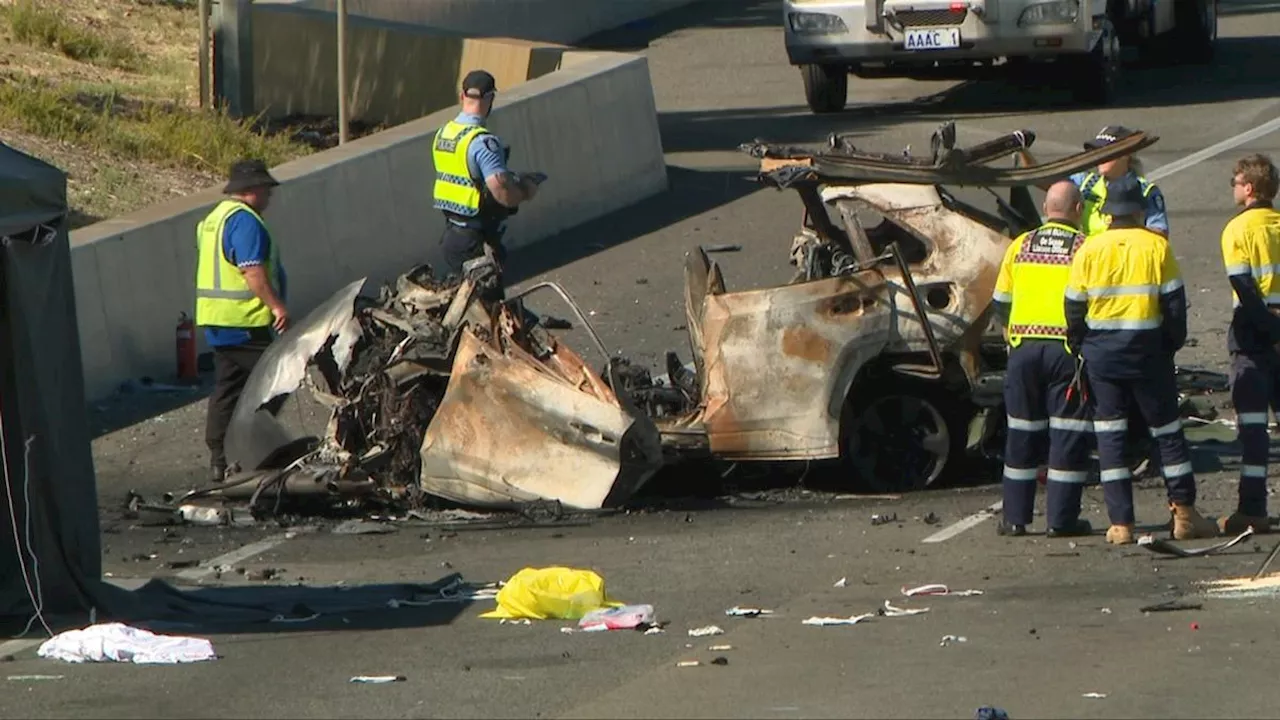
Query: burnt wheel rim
point(898, 442)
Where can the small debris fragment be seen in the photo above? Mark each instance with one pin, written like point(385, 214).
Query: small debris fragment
point(719, 648)
point(688, 663)
point(737, 611)
point(884, 519)
point(378, 679)
point(722, 247)
point(841, 582)
point(519, 621)
point(891, 611)
point(987, 712)
point(363, 527)
point(1164, 547)
point(36, 677)
point(705, 631)
point(1105, 611)
point(1094, 695)
point(655, 630)
point(550, 322)
point(938, 589)
point(824, 621)
point(720, 661)
point(182, 564)
point(931, 519)
point(948, 639)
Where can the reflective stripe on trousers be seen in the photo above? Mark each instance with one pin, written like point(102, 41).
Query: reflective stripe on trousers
point(1255, 388)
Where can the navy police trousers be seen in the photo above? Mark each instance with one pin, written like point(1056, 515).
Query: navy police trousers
point(1255, 388)
point(1155, 396)
point(1039, 415)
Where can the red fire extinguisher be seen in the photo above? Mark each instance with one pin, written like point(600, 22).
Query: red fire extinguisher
point(186, 334)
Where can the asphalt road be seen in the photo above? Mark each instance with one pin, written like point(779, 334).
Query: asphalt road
point(1037, 640)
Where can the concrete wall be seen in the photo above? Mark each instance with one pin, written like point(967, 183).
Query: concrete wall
point(396, 72)
point(557, 21)
point(365, 209)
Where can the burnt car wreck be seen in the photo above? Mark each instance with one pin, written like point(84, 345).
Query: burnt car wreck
point(880, 353)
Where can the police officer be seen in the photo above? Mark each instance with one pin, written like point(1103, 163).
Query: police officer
point(240, 291)
point(1095, 184)
point(1251, 253)
point(1028, 300)
point(1126, 312)
point(473, 187)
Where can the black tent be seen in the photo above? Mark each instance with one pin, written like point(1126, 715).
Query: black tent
point(50, 552)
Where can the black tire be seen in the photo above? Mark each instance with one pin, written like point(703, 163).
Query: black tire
point(1095, 77)
point(902, 435)
point(826, 87)
point(1195, 31)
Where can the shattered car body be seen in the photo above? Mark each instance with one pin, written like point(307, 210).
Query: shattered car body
point(881, 351)
point(433, 392)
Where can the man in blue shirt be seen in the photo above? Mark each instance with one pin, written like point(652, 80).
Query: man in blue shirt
point(473, 187)
point(240, 293)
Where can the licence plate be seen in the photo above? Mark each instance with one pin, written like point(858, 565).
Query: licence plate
point(932, 39)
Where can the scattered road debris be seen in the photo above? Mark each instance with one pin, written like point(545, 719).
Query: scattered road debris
point(824, 621)
point(116, 642)
point(655, 630)
point(21, 678)
point(1244, 587)
point(841, 582)
point(879, 519)
point(949, 639)
point(1165, 547)
point(1271, 556)
point(364, 527)
point(938, 589)
point(1105, 610)
point(1171, 606)
point(559, 593)
point(719, 648)
point(705, 631)
point(688, 663)
point(520, 621)
point(737, 611)
point(378, 679)
point(988, 712)
point(891, 611)
point(1094, 695)
point(720, 661)
point(722, 247)
point(931, 519)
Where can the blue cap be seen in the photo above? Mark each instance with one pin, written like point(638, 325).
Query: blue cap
point(1124, 197)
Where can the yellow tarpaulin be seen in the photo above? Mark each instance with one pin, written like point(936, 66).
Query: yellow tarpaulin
point(551, 593)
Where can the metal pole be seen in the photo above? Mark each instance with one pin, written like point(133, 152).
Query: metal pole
point(203, 9)
point(342, 72)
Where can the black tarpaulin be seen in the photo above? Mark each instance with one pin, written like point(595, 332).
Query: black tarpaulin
point(49, 534)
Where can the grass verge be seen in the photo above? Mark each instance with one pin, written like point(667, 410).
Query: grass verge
point(162, 133)
point(46, 25)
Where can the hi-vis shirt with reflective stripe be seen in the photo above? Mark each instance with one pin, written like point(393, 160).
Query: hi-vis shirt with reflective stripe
point(1122, 274)
point(455, 190)
point(1032, 280)
point(223, 297)
point(1093, 191)
point(1251, 247)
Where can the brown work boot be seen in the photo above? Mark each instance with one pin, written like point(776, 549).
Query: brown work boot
point(1237, 523)
point(1120, 534)
point(1189, 524)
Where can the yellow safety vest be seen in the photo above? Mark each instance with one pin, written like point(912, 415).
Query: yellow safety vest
point(223, 297)
point(1094, 193)
point(1251, 246)
point(1121, 274)
point(1032, 280)
point(455, 190)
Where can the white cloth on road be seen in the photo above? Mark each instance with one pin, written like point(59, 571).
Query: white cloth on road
point(116, 642)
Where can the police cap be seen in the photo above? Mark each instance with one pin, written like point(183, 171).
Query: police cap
point(478, 83)
point(1124, 197)
point(1108, 135)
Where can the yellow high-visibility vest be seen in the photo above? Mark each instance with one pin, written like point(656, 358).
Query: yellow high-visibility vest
point(455, 190)
point(1121, 274)
point(223, 297)
point(1032, 280)
point(1093, 191)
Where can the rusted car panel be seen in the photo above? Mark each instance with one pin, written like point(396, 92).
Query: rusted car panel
point(771, 360)
point(513, 429)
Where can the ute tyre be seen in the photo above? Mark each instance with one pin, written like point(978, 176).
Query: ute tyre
point(904, 436)
point(826, 87)
point(1095, 78)
point(1195, 31)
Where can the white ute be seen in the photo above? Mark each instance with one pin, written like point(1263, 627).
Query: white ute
point(968, 39)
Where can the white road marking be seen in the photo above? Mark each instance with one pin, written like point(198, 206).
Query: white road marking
point(1196, 158)
point(955, 529)
point(241, 554)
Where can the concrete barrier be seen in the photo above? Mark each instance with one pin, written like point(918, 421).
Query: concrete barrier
point(556, 21)
point(396, 72)
point(364, 209)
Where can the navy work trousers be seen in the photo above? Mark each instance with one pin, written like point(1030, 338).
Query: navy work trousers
point(1039, 414)
point(461, 244)
point(1156, 399)
point(1255, 388)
